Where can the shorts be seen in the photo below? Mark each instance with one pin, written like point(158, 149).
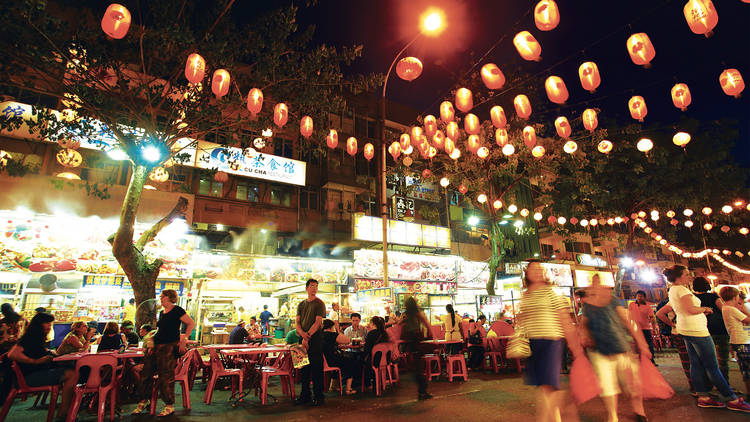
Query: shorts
point(544, 364)
point(743, 359)
point(615, 371)
point(50, 376)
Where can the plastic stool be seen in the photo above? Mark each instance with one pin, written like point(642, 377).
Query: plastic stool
point(429, 360)
point(453, 372)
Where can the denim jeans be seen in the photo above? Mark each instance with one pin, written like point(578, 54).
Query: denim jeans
point(703, 364)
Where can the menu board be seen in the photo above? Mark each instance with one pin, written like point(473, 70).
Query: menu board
point(424, 287)
point(404, 266)
point(33, 243)
point(370, 229)
point(473, 274)
point(422, 299)
point(273, 269)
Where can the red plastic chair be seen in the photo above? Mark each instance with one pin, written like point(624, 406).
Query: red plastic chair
point(456, 367)
point(383, 376)
point(199, 364)
point(95, 384)
point(217, 371)
point(329, 371)
point(182, 376)
point(493, 353)
point(22, 389)
point(281, 368)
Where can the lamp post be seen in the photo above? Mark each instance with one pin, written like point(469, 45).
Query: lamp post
point(432, 24)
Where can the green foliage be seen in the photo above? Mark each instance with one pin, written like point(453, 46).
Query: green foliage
point(431, 214)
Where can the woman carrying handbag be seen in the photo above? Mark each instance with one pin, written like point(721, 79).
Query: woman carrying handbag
point(545, 320)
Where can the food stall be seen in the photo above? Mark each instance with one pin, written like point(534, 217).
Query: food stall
point(472, 283)
point(230, 281)
point(431, 279)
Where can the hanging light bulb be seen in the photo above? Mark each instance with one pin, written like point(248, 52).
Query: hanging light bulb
point(584, 222)
point(537, 216)
point(726, 209)
point(512, 208)
point(509, 149)
point(688, 212)
point(707, 211)
point(482, 198)
point(497, 204)
point(524, 212)
point(561, 220)
point(689, 223)
point(444, 182)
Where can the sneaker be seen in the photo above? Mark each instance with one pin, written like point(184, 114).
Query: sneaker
point(140, 408)
point(707, 401)
point(168, 410)
point(738, 405)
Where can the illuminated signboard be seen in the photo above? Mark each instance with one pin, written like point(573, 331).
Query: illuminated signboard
point(583, 278)
point(590, 260)
point(400, 232)
point(558, 274)
point(260, 166)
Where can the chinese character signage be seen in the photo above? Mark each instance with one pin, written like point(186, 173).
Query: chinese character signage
point(400, 232)
point(104, 280)
point(368, 295)
point(260, 166)
point(590, 260)
point(403, 208)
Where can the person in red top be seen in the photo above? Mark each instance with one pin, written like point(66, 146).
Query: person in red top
point(642, 313)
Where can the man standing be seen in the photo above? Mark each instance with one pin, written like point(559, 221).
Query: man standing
point(390, 317)
point(310, 314)
point(265, 317)
point(334, 316)
point(356, 330)
point(128, 312)
point(642, 313)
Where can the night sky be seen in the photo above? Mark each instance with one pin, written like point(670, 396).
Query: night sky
point(589, 30)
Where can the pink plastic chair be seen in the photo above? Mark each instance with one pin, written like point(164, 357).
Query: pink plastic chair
point(328, 372)
point(94, 384)
point(383, 375)
point(282, 368)
point(199, 364)
point(217, 371)
point(182, 376)
point(21, 388)
point(493, 352)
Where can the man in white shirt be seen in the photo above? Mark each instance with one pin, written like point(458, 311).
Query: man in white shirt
point(334, 315)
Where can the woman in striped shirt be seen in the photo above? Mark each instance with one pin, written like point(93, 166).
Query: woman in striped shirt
point(545, 317)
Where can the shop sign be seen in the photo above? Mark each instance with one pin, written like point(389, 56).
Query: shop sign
point(260, 166)
point(512, 268)
point(104, 280)
point(412, 287)
point(583, 278)
point(403, 207)
point(370, 229)
point(590, 260)
point(487, 300)
point(367, 295)
point(368, 264)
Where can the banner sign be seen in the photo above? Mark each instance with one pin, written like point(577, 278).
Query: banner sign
point(253, 164)
point(368, 295)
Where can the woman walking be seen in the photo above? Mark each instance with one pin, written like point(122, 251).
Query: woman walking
point(693, 326)
point(161, 359)
point(545, 317)
point(414, 324)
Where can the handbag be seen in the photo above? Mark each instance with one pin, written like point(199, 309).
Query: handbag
point(518, 346)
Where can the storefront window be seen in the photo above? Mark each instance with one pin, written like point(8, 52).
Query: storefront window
point(210, 188)
point(281, 196)
point(283, 148)
point(308, 200)
point(248, 192)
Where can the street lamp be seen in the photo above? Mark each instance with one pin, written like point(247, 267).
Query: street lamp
point(473, 221)
point(431, 25)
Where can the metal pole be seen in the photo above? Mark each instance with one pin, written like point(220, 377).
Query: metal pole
point(383, 156)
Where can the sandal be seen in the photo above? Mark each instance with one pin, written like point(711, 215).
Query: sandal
point(168, 410)
point(142, 405)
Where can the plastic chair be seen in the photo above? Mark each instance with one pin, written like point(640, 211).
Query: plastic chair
point(493, 353)
point(218, 371)
point(199, 364)
point(182, 376)
point(428, 361)
point(382, 373)
point(21, 388)
point(94, 384)
point(328, 371)
point(282, 368)
point(438, 332)
point(457, 367)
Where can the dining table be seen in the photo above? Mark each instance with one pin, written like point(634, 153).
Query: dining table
point(128, 354)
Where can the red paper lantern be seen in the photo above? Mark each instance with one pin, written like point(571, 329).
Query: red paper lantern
point(369, 151)
point(501, 137)
point(637, 107)
point(409, 68)
point(563, 127)
point(605, 146)
point(116, 21)
point(351, 146)
point(497, 115)
point(701, 16)
point(447, 112)
point(430, 125)
point(529, 136)
point(522, 106)
point(528, 47)
point(681, 96)
point(473, 143)
point(589, 74)
point(463, 189)
point(426, 174)
point(464, 99)
point(492, 76)
point(395, 150)
point(416, 133)
point(195, 68)
point(451, 130)
point(557, 92)
point(221, 177)
point(449, 146)
point(725, 229)
point(731, 82)
point(255, 101)
point(551, 219)
point(546, 15)
point(220, 83)
point(674, 222)
point(574, 221)
point(332, 140)
point(472, 125)
point(590, 120)
point(306, 126)
point(640, 49)
point(404, 141)
point(438, 140)
point(280, 114)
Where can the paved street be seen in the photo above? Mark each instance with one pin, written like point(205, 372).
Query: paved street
point(486, 397)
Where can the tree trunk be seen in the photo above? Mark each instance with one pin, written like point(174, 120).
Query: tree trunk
point(631, 236)
point(497, 239)
point(141, 273)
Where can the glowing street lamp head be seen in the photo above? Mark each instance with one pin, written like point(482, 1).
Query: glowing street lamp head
point(151, 154)
point(433, 22)
point(473, 220)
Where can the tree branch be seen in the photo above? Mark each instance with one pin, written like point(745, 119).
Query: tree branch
point(177, 212)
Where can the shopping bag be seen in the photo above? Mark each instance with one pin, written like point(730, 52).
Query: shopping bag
point(584, 385)
point(299, 356)
point(518, 346)
point(653, 383)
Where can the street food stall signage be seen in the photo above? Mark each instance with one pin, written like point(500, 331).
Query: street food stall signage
point(590, 260)
point(370, 229)
point(487, 300)
point(403, 207)
point(124, 283)
point(250, 163)
point(367, 295)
